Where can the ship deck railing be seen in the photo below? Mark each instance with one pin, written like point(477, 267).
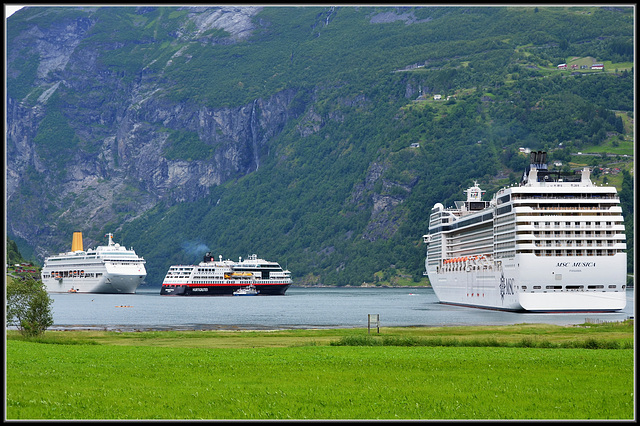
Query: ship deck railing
point(568, 225)
point(566, 208)
point(555, 196)
point(548, 244)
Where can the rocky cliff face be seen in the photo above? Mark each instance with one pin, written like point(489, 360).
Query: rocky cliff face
point(100, 132)
point(119, 166)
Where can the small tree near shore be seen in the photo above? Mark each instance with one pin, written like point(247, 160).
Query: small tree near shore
point(28, 306)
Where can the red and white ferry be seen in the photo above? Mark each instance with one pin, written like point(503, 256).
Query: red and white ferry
point(224, 277)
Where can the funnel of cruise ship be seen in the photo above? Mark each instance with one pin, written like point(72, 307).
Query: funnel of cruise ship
point(76, 244)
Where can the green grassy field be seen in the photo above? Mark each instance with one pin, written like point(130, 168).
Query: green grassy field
point(315, 374)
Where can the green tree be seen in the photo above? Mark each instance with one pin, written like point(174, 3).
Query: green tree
point(13, 254)
point(626, 200)
point(28, 306)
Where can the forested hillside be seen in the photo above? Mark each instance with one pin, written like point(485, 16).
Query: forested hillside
point(312, 136)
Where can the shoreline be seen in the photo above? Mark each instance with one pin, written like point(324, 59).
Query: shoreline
point(120, 328)
point(324, 286)
point(195, 327)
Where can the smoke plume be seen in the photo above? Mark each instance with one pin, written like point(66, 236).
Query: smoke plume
point(195, 249)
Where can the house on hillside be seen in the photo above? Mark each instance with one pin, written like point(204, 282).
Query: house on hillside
point(562, 66)
point(597, 66)
point(437, 97)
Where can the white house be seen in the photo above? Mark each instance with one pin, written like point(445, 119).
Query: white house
point(437, 97)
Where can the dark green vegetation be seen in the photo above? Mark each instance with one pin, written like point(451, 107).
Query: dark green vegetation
point(609, 335)
point(13, 253)
point(340, 196)
point(300, 375)
point(28, 306)
point(525, 342)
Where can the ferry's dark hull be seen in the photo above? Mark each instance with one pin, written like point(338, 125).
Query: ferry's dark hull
point(220, 289)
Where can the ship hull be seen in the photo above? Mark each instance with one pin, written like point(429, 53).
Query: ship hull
point(121, 283)
point(530, 284)
point(275, 289)
point(574, 302)
point(469, 289)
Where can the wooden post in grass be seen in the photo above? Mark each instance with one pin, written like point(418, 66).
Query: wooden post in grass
point(374, 319)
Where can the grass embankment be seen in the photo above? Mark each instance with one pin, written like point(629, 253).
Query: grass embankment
point(304, 374)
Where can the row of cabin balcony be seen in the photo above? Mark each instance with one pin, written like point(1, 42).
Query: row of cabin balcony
point(451, 252)
point(457, 242)
point(566, 196)
point(505, 254)
point(568, 238)
point(506, 237)
point(612, 232)
point(486, 234)
point(611, 244)
point(570, 216)
point(590, 225)
point(472, 234)
point(612, 208)
point(510, 235)
point(468, 250)
point(617, 245)
point(484, 246)
point(567, 200)
point(572, 235)
point(574, 252)
point(465, 253)
point(475, 241)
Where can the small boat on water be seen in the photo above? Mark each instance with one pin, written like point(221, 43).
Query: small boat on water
point(246, 291)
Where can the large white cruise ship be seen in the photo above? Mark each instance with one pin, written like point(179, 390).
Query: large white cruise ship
point(555, 243)
point(105, 269)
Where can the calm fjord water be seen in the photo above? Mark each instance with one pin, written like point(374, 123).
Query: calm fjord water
point(323, 307)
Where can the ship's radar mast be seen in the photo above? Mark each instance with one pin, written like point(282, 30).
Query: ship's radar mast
point(474, 199)
point(474, 193)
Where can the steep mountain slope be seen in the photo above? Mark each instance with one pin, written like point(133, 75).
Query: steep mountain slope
point(288, 132)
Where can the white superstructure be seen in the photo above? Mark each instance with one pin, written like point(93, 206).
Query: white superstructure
point(105, 269)
point(556, 243)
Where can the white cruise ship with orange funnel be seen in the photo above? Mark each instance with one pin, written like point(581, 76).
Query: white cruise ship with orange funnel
point(105, 269)
point(554, 243)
